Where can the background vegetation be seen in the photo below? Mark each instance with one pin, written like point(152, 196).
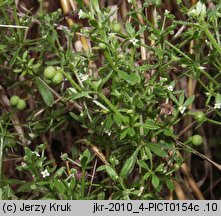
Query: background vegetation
point(110, 99)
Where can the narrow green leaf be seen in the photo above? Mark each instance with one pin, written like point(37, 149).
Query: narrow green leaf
point(189, 101)
point(148, 152)
point(155, 181)
point(117, 119)
point(44, 91)
point(218, 98)
point(148, 125)
point(74, 116)
point(108, 122)
point(130, 78)
point(101, 168)
point(80, 3)
point(157, 150)
point(124, 134)
point(80, 95)
point(125, 76)
point(128, 166)
point(143, 164)
point(170, 184)
point(112, 173)
point(131, 132)
point(146, 176)
point(96, 5)
point(100, 105)
point(130, 29)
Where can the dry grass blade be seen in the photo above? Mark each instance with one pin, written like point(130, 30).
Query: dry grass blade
point(95, 149)
point(218, 166)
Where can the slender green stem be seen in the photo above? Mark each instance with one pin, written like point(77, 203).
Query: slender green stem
point(209, 77)
point(213, 121)
point(73, 162)
point(211, 38)
point(178, 51)
point(112, 107)
point(68, 76)
point(205, 87)
point(141, 128)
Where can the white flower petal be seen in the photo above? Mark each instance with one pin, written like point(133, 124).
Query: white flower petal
point(170, 88)
point(182, 109)
point(45, 173)
point(134, 41)
point(80, 14)
point(217, 106)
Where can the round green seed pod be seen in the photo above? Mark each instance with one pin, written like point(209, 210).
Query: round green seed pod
point(102, 46)
point(21, 105)
point(197, 140)
point(9, 142)
point(199, 116)
point(49, 72)
point(116, 27)
point(14, 100)
point(57, 79)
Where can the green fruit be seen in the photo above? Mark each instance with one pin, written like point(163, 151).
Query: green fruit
point(197, 140)
point(9, 142)
point(14, 100)
point(199, 117)
point(49, 72)
point(102, 46)
point(116, 27)
point(21, 104)
point(57, 79)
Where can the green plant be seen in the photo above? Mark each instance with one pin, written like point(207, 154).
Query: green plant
point(49, 72)
point(118, 125)
point(196, 140)
point(21, 104)
point(57, 79)
point(200, 117)
point(14, 100)
point(116, 27)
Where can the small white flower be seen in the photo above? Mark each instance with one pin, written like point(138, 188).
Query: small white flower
point(201, 9)
point(80, 13)
point(102, 123)
point(217, 106)
point(166, 12)
point(32, 135)
point(183, 65)
point(182, 109)
point(141, 191)
point(112, 35)
point(83, 77)
point(199, 12)
point(202, 68)
point(134, 41)
point(23, 164)
point(132, 189)
point(162, 79)
point(108, 132)
point(170, 88)
point(192, 13)
point(45, 173)
point(36, 153)
point(122, 127)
